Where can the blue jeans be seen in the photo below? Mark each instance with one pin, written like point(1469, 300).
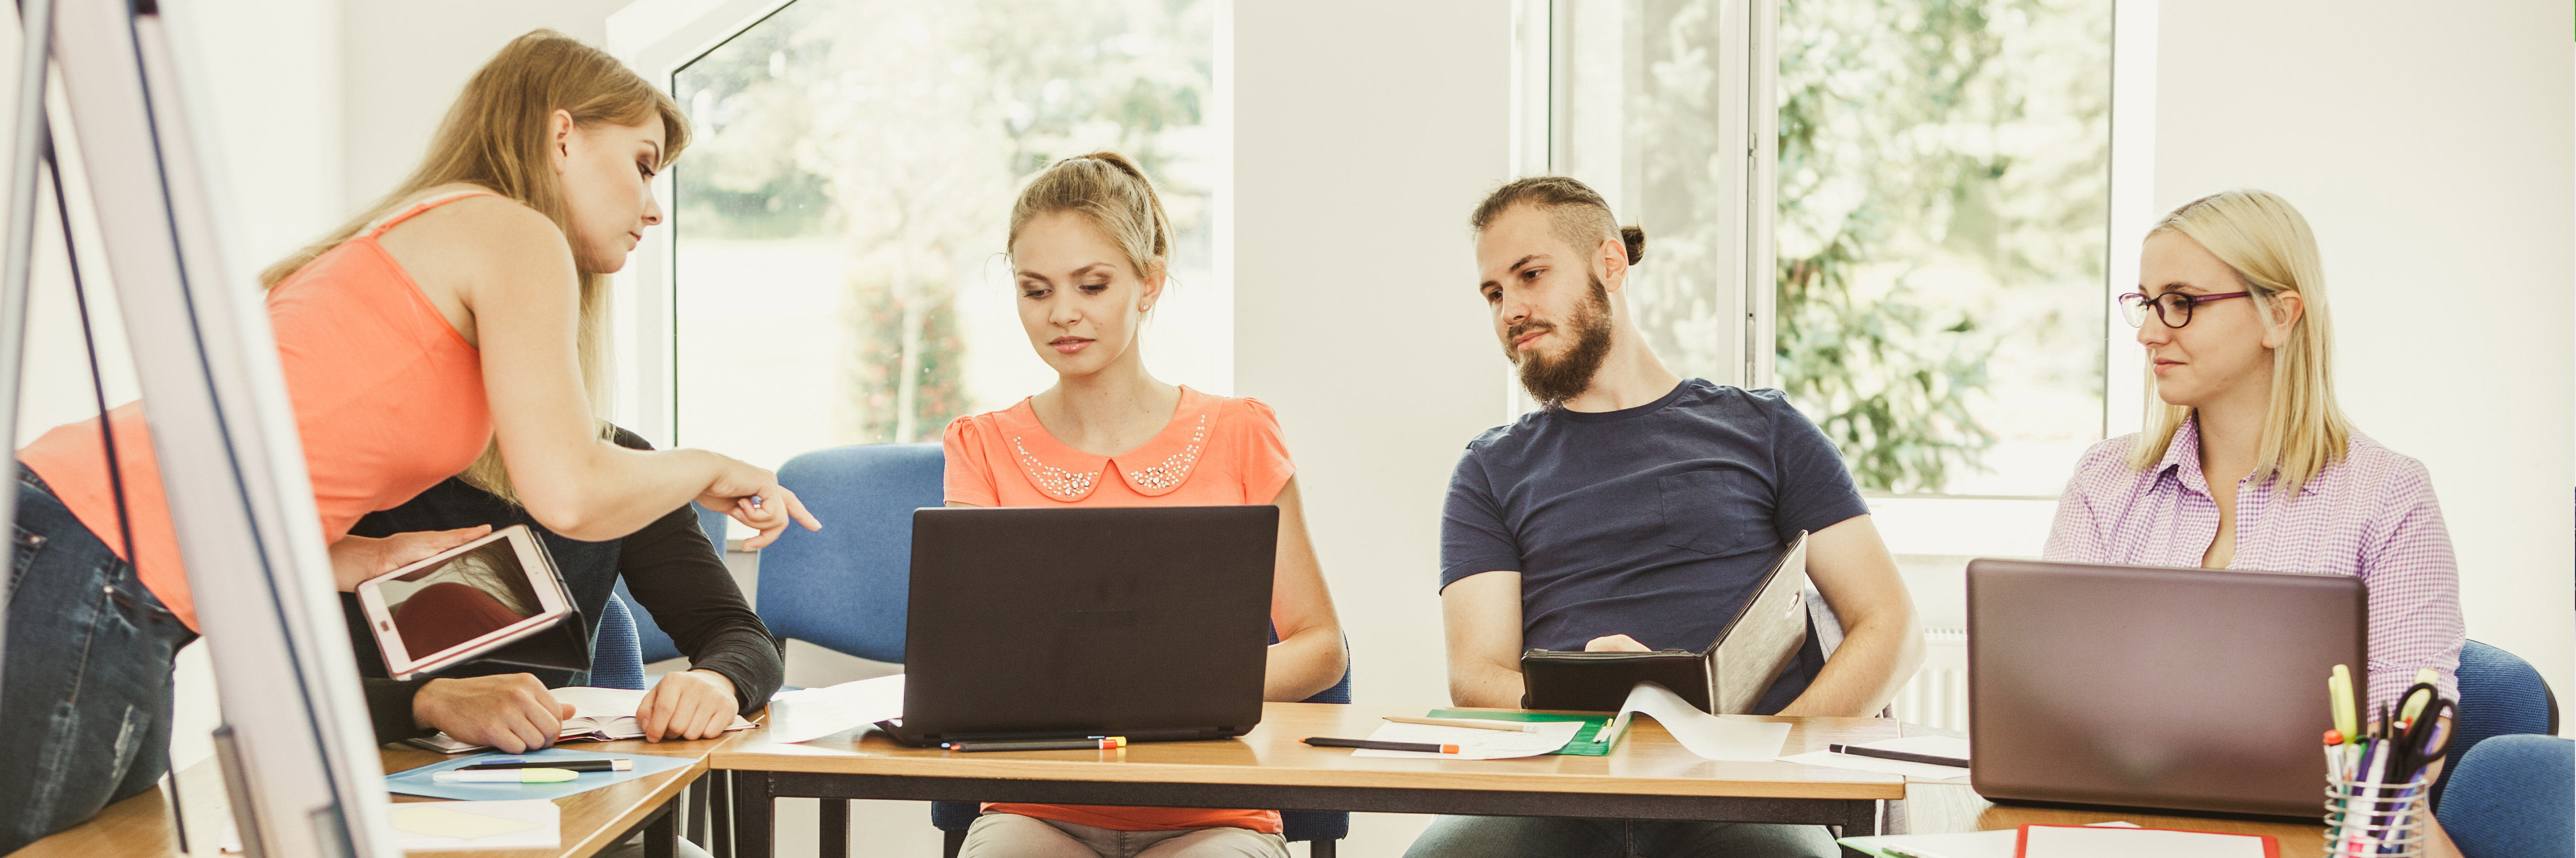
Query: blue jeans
point(1547, 837)
point(85, 692)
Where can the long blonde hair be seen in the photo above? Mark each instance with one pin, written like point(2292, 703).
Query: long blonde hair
point(495, 138)
point(2267, 243)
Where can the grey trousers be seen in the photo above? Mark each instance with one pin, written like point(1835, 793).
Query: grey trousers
point(1548, 837)
point(1010, 835)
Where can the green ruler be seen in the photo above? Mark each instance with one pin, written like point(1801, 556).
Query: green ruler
point(1581, 746)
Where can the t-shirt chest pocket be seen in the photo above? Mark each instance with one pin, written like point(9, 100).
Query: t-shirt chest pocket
point(1715, 511)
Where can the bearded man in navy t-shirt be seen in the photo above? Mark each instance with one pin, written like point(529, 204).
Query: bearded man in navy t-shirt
point(1637, 511)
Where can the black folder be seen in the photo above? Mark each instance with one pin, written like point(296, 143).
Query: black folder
point(1729, 677)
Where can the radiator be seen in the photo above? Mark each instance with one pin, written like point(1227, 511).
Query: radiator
point(1938, 694)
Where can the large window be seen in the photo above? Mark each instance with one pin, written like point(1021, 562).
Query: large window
point(1650, 106)
point(1943, 190)
point(1935, 224)
point(838, 226)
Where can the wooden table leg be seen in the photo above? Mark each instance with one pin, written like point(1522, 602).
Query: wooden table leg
point(755, 818)
point(1863, 821)
point(698, 807)
point(662, 835)
point(720, 813)
point(834, 833)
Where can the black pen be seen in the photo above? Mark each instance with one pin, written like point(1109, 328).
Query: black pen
point(1104, 743)
point(1419, 747)
point(1928, 759)
point(567, 765)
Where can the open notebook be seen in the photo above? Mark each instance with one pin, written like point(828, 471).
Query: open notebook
point(599, 715)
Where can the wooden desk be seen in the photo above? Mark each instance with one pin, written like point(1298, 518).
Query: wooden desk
point(1953, 806)
point(1940, 808)
point(592, 820)
point(1650, 776)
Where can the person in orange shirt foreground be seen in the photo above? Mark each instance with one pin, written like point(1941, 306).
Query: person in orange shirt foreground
point(1089, 248)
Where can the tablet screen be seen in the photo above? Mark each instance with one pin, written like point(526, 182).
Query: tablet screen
point(471, 595)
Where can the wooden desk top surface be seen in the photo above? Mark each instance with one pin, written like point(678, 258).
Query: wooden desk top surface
point(1939, 808)
point(141, 825)
point(1952, 806)
point(1648, 760)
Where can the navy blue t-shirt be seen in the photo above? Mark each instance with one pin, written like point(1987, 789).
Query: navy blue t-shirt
point(1654, 522)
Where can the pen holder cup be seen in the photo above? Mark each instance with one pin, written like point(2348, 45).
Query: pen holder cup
point(2364, 819)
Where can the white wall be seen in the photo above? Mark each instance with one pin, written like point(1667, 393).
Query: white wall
point(1364, 134)
point(1360, 150)
point(2430, 149)
point(405, 62)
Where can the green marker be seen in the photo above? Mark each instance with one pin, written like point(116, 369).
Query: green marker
point(506, 776)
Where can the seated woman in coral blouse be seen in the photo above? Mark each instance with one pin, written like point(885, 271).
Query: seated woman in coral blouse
point(1088, 247)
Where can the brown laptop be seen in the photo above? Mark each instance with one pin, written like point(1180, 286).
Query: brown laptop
point(2140, 686)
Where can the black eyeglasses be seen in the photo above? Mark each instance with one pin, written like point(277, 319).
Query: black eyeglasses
point(2172, 308)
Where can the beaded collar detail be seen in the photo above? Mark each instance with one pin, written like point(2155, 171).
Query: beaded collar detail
point(1154, 468)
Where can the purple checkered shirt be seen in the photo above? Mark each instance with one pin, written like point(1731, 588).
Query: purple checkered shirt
point(2372, 515)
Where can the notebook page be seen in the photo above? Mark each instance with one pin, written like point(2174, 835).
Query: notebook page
point(2066, 842)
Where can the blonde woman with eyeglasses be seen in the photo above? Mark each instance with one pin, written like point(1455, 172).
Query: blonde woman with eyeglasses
point(2245, 461)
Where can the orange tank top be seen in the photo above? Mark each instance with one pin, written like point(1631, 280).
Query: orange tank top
point(388, 400)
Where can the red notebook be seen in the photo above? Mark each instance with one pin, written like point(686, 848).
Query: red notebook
point(2084, 841)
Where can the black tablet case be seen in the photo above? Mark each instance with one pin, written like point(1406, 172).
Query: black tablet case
point(561, 650)
point(1600, 681)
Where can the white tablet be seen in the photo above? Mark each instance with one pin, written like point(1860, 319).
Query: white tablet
point(463, 602)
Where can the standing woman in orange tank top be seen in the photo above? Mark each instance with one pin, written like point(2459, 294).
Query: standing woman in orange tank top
point(454, 327)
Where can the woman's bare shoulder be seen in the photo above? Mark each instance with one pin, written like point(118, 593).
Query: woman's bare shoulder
point(487, 231)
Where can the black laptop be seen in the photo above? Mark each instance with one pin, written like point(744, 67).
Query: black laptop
point(1151, 623)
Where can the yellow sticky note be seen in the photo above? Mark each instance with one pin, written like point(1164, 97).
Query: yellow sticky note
point(444, 820)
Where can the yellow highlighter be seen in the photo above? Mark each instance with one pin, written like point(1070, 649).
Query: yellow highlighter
point(506, 776)
point(2339, 686)
point(2415, 703)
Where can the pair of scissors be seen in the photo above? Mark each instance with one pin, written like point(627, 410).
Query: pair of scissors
point(2426, 736)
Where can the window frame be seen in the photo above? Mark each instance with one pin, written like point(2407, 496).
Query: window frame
point(1927, 525)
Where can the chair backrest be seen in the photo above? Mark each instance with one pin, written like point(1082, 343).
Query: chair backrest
point(847, 587)
point(2515, 796)
point(2500, 695)
point(615, 662)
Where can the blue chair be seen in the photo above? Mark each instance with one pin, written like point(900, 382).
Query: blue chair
point(615, 660)
point(2500, 695)
point(2513, 796)
point(1323, 830)
point(846, 587)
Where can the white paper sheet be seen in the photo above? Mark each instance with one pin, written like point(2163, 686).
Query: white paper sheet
point(2052, 842)
point(805, 715)
point(445, 825)
point(1971, 844)
point(1710, 736)
point(1942, 746)
point(1474, 744)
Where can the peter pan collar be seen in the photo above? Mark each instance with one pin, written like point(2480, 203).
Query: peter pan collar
point(1153, 469)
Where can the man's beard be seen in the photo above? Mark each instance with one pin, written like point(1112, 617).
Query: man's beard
point(1552, 380)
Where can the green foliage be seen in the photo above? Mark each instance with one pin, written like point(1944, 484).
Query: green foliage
point(1942, 168)
point(903, 130)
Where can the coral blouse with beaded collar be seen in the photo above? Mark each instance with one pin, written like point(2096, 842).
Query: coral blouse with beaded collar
point(1217, 450)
